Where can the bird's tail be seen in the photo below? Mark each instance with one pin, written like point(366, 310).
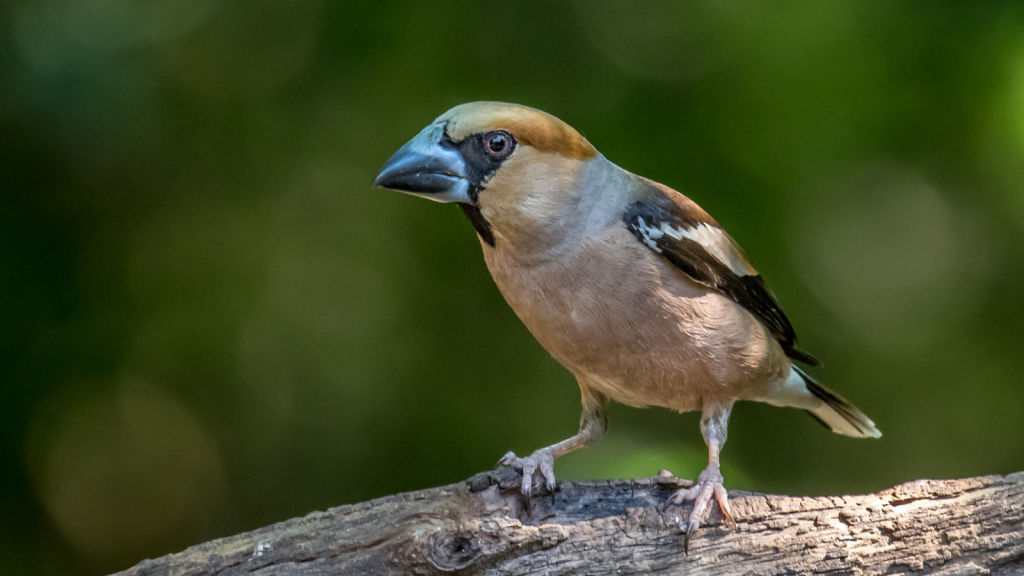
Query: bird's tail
point(835, 413)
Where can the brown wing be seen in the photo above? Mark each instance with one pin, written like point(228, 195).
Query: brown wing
point(679, 230)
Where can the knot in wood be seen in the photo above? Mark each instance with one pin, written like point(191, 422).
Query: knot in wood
point(449, 552)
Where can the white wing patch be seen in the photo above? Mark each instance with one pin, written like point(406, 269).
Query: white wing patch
point(711, 238)
point(650, 234)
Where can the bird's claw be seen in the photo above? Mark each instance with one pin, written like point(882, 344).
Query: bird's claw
point(542, 461)
point(709, 485)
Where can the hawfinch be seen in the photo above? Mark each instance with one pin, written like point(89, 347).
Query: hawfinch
point(627, 283)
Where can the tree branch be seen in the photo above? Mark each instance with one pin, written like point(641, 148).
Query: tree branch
point(968, 526)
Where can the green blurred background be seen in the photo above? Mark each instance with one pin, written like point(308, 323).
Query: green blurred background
point(209, 320)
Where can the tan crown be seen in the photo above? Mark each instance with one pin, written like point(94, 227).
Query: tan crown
point(529, 126)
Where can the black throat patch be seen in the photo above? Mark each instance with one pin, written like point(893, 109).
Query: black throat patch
point(480, 167)
point(480, 224)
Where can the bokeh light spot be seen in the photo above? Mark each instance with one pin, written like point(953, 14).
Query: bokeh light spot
point(1016, 98)
point(124, 471)
point(248, 49)
point(892, 256)
point(653, 40)
point(51, 33)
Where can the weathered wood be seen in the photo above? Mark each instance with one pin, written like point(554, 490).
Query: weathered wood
point(969, 526)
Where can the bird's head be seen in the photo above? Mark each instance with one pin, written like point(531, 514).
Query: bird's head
point(511, 167)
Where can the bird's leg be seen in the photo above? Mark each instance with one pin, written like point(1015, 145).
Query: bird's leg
point(593, 423)
point(714, 422)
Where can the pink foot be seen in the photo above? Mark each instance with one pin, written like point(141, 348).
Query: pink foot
point(709, 484)
point(542, 461)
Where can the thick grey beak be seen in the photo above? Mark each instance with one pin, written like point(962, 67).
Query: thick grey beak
point(423, 167)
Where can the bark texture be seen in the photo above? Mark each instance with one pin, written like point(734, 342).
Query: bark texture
point(968, 526)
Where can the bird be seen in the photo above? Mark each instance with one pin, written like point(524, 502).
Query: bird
point(627, 283)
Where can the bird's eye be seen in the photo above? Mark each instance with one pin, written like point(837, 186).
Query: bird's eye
point(498, 144)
